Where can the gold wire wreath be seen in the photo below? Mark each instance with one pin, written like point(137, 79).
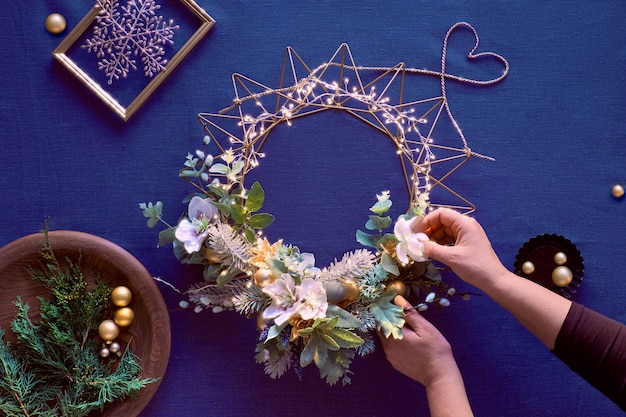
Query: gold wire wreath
point(244, 127)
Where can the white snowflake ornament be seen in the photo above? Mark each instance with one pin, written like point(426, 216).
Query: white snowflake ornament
point(124, 32)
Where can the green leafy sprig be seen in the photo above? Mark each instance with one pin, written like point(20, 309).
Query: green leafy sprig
point(55, 369)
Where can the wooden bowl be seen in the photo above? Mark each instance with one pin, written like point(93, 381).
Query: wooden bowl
point(150, 330)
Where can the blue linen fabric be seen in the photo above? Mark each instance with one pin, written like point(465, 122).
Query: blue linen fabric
point(555, 127)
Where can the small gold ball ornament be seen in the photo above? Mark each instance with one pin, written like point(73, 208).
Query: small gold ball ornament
point(114, 347)
point(263, 277)
point(104, 352)
point(108, 330)
point(55, 23)
point(121, 296)
point(399, 286)
point(528, 267)
point(617, 191)
point(560, 258)
point(211, 256)
point(124, 316)
point(562, 276)
point(261, 323)
point(352, 290)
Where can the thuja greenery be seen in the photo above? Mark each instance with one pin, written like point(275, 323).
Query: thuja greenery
point(55, 368)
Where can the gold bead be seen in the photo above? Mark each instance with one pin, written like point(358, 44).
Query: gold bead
point(121, 296)
point(352, 290)
point(617, 191)
point(261, 322)
point(124, 316)
point(211, 256)
point(108, 330)
point(55, 23)
point(562, 276)
point(528, 267)
point(114, 347)
point(560, 258)
point(399, 286)
point(263, 277)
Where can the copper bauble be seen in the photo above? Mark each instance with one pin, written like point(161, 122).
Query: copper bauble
point(108, 330)
point(617, 191)
point(560, 258)
point(211, 256)
point(399, 287)
point(121, 296)
point(124, 316)
point(263, 277)
point(352, 290)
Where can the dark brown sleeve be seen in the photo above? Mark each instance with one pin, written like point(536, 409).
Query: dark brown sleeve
point(594, 346)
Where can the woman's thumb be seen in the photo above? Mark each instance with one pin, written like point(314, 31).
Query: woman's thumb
point(435, 251)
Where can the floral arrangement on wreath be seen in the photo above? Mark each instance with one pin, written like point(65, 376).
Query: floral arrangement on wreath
point(305, 314)
point(308, 314)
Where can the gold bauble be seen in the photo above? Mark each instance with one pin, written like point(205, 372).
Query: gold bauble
point(352, 290)
point(55, 23)
point(617, 191)
point(560, 258)
point(528, 267)
point(211, 256)
point(261, 323)
point(562, 276)
point(124, 316)
point(121, 296)
point(263, 277)
point(105, 353)
point(114, 347)
point(108, 330)
point(399, 286)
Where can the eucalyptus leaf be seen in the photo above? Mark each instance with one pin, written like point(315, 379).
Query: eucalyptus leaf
point(381, 207)
point(378, 223)
point(366, 239)
point(388, 264)
point(167, 236)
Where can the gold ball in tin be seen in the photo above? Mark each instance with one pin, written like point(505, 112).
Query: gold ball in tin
point(108, 330)
point(560, 258)
point(263, 277)
point(352, 290)
point(528, 267)
point(399, 287)
point(562, 276)
point(121, 296)
point(124, 316)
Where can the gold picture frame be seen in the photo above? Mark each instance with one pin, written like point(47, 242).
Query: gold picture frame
point(60, 54)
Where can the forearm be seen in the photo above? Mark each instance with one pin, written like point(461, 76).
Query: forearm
point(447, 396)
point(538, 309)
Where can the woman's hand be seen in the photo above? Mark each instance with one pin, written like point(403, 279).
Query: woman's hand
point(471, 257)
point(424, 355)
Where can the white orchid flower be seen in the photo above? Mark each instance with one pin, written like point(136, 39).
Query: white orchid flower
point(410, 245)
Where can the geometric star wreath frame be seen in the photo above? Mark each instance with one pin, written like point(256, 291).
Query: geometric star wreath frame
point(378, 101)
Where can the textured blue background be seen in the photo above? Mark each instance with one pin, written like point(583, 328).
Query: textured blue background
point(555, 127)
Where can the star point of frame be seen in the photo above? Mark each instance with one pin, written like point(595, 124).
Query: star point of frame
point(373, 95)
